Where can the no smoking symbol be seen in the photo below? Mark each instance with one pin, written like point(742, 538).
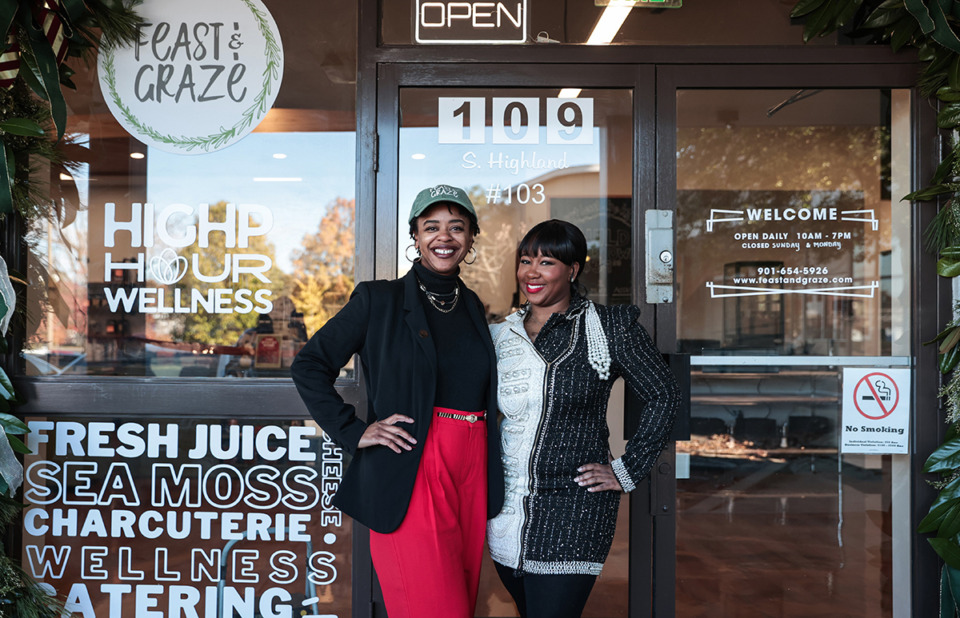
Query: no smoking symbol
point(876, 396)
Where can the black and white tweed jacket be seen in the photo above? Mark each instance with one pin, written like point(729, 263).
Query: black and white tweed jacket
point(554, 420)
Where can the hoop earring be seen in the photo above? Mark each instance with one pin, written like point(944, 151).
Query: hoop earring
point(474, 249)
point(406, 253)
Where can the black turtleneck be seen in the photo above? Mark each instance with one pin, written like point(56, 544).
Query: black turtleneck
point(463, 369)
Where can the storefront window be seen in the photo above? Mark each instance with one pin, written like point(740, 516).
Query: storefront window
point(545, 22)
point(182, 259)
point(186, 518)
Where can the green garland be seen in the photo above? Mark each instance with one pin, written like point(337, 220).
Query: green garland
point(32, 123)
point(929, 26)
point(257, 110)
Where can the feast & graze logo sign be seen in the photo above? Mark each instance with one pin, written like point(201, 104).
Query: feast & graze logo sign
point(202, 76)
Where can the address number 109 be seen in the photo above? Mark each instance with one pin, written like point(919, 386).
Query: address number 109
point(463, 120)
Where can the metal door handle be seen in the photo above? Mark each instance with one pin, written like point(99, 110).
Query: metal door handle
point(659, 271)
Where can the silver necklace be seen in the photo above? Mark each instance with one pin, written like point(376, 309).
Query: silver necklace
point(437, 300)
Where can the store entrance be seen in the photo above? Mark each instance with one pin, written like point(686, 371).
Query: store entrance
point(751, 213)
point(792, 298)
point(530, 144)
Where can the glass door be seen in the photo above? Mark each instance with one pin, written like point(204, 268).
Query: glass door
point(792, 279)
point(554, 142)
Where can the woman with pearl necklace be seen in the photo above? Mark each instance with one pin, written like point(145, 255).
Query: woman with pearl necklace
point(558, 357)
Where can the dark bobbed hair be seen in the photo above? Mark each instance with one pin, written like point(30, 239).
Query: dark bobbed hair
point(451, 207)
point(558, 239)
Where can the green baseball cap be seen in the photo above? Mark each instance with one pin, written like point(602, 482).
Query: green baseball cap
point(438, 194)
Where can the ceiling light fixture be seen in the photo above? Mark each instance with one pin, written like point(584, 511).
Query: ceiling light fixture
point(137, 155)
point(569, 93)
point(609, 23)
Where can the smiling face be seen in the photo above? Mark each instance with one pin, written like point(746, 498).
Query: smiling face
point(545, 281)
point(443, 238)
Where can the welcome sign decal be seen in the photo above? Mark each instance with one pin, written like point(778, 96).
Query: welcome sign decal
point(202, 76)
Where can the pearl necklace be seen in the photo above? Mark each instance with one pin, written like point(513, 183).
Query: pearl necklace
point(598, 353)
point(436, 299)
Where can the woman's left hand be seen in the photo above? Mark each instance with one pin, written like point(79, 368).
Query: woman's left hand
point(597, 477)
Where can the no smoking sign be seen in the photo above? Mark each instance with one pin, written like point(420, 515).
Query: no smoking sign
point(876, 396)
point(876, 415)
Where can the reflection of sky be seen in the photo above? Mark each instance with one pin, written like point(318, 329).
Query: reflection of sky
point(323, 161)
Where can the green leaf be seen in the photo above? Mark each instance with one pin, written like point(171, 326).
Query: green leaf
point(950, 525)
point(920, 12)
point(21, 126)
point(948, 267)
point(818, 24)
point(12, 424)
point(6, 191)
point(948, 597)
point(946, 457)
point(881, 17)
point(6, 387)
point(948, 94)
point(18, 445)
point(904, 31)
point(75, 9)
point(948, 550)
point(949, 116)
point(8, 10)
point(844, 16)
point(37, 55)
point(943, 32)
point(931, 522)
point(953, 75)
point(945, 168)
point(927, 193)
point(803, 7)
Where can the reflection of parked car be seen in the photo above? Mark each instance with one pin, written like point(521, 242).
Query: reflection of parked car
point(45, 363)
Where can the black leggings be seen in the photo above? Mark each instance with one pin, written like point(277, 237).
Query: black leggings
point(547, 596)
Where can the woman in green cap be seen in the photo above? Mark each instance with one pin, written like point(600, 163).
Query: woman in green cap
point(426, 472)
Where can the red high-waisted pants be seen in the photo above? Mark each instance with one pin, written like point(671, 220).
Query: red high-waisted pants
point(429, 567)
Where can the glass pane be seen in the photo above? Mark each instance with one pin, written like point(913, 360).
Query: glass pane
point(785, 225)
point(205, 265)
point(526, 155)
point(789, 243)
point(751, 22)
point(189, 518)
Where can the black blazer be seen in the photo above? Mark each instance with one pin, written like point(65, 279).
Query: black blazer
point(385, 323)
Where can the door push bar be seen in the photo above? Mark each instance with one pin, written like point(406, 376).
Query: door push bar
point(659, 267)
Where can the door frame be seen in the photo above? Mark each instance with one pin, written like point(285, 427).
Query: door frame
point(391, 77)
point(652, 573)
point(930, 298)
